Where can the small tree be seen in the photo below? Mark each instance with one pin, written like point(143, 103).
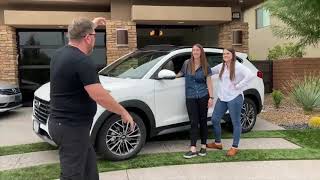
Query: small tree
point(301, 17)
point(288, 50)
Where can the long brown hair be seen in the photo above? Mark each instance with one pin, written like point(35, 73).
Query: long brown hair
point(203, 62)
point(232, 64)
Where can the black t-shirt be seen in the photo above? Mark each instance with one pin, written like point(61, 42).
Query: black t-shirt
point(70, 71)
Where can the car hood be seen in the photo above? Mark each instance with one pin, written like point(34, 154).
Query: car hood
point(112, 84)
point(109, 83)
point(6, 85)
point(43, 92)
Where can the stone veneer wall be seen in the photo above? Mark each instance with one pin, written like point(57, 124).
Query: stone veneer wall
point(114, 51)
point(8, 55)
point(225, 35)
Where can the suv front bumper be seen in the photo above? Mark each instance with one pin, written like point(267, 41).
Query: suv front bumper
point(42, 131)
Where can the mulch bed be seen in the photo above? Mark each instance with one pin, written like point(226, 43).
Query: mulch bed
point(289, 115)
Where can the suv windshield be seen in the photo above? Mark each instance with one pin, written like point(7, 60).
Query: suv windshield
point(133, 66)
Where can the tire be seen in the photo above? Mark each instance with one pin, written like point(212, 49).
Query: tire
point(122, 147)
point(248, 116)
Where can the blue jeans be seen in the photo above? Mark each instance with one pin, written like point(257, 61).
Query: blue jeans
point(234, 106)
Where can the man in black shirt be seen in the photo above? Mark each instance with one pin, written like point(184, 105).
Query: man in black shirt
point(74, 92)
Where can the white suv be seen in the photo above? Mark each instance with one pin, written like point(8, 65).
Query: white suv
point(144, 83)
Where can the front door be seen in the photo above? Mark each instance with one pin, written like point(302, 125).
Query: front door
point(170, 100)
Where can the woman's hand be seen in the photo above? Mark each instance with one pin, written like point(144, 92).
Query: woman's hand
point(210, 103)
point(179, 75)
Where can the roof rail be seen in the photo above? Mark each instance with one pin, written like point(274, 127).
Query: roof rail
point(161, 47)
point(203, 47)
point(169, 47)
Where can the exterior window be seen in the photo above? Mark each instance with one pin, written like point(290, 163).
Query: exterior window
point(262, 18)
point(99, 52)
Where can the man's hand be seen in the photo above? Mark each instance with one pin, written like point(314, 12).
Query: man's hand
point(99, 21)
point(126, 118)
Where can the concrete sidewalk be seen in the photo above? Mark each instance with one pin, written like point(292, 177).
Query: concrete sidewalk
point(258, 170)
point(48, 157)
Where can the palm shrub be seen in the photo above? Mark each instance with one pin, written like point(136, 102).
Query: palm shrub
point(277, 97)
point(299, 19)
point(306, 92)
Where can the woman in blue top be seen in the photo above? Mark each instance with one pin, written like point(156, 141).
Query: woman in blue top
point(198, 88)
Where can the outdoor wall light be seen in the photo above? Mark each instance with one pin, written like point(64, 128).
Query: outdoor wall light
point(156, 33)
point(122, 37)
point(236, 15)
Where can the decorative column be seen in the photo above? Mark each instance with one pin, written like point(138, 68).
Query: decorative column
point(8, 54)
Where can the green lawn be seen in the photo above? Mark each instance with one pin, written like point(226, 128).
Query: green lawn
point(26, 148)
point(307, 139)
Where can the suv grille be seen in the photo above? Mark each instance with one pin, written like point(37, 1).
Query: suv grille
point(10, 91)
point(41, 110)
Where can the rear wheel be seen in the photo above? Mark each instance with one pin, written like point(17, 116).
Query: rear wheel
point(117, 142)
point(248, 116)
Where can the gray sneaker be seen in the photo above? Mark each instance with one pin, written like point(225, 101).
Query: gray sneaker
point(202, 152)
point(190, 154)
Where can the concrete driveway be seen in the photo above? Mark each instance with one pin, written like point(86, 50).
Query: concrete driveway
point(16, 127)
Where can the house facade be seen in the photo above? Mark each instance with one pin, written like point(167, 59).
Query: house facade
point(31, 31)
point(261, 38)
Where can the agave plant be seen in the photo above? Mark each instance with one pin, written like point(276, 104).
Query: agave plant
point(306, 92)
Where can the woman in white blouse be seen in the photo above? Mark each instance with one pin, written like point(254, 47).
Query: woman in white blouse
point(233, 77)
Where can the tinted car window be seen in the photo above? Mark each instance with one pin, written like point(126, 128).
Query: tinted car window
point(214, 59)
point(134, 66)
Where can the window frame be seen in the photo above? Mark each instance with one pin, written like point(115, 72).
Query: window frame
point(256, 18)
point(155, 74)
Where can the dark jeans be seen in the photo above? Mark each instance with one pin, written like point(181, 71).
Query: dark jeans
point(234, 106)
point(197, 111)
point(77, 156)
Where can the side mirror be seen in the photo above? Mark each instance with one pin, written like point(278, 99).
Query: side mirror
point(166, 74)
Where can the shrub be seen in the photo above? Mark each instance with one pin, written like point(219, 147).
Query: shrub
point(314, 122)
point(288, 50)
point(277, 97)
point(306, 92)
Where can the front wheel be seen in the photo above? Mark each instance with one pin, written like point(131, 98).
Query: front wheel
point(248, 116)
point(117, 142)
